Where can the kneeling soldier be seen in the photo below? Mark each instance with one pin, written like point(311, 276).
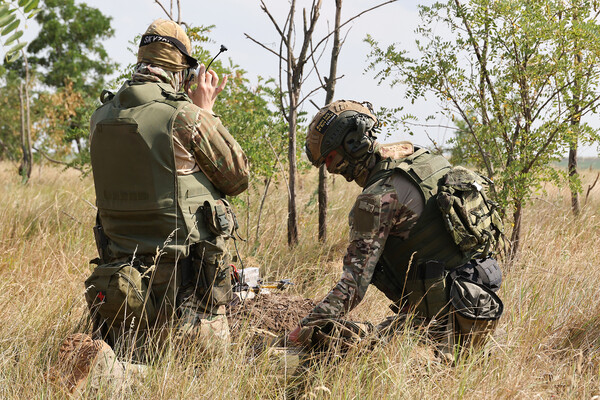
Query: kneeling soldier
point(409, 237)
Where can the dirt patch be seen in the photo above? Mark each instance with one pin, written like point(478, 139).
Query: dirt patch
point(277, 313)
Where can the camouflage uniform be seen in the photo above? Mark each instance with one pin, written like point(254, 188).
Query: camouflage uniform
point(395, 204)
point(201, 142)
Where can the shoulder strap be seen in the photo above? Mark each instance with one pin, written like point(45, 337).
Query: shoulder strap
point(386, 167)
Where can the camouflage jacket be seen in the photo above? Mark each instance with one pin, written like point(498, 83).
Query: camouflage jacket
point(389, 207)
point(201, 140)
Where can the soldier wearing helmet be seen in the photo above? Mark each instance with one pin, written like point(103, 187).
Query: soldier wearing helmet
point(163, 163)
point(398, 238)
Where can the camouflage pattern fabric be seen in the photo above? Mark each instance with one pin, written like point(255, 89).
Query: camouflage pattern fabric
point(165, 54)
point(145, 72)
point(376, 215)
point(202, 134)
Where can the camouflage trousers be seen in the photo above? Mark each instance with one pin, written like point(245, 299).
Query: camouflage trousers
point(195, 323)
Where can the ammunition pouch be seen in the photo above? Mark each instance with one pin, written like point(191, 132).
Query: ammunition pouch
point(219, 217)
point(427, 290)
point(486, 272)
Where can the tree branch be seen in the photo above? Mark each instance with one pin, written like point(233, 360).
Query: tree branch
point(352, 19)
point(589, 189)
point(277, 28)
point(262, 45)
point(164, 9)
point(316, 89)
point(52, 160)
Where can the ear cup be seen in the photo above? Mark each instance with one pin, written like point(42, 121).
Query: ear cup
point(356, 144)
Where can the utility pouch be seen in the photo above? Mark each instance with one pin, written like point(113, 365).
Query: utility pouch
point(428, 291)
point(210, 261)
point(469, 216)
point(483, 271)
point(119, 293)
point(219, 217)
point(475, 309)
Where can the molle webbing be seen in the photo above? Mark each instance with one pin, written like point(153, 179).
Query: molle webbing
point(141, 199)
point(428, 239)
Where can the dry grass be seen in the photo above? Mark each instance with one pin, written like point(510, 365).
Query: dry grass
point(547, 344)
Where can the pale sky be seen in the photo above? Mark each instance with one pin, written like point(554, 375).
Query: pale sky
point(394, 23)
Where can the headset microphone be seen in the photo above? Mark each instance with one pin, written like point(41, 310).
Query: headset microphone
point(221, 50)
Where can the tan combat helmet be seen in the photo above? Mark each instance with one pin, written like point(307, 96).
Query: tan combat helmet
point(166, 45)
point(332, 123)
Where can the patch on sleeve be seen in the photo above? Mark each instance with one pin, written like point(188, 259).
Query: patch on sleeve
point(365, 215)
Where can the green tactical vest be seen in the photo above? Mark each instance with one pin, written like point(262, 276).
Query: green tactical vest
point(429, 239)
point(143, 204)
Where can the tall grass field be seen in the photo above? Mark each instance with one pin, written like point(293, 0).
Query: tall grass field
point(547, 345)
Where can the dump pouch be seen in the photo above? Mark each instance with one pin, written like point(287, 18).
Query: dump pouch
point(475, 309)
point(211, 264)
point(119, 293)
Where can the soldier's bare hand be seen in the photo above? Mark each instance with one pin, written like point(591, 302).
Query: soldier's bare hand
point(208, 88)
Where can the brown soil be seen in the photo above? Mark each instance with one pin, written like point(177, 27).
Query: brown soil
point(277, 313)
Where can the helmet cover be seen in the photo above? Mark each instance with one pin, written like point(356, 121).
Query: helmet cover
point(165, 44)
point(331, 124)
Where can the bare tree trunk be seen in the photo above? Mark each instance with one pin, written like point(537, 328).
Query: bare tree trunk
point(247, 216)
point(292, 211)
point(335, 52)
point(27, 160)
point(25, 167)
point(515, 237)
point(323, 203)
point(573, 174)
point(575, 121)
point(262, 204)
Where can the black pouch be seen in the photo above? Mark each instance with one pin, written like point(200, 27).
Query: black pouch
point(219, 217)
point(211, 263)
point(484, 271)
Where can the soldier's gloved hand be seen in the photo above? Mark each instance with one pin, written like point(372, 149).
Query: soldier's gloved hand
point(302, 336)
point(327, 332)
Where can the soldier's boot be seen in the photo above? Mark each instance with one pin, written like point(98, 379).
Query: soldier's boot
point(82, 361)
point(441, 332)
point(195, 324)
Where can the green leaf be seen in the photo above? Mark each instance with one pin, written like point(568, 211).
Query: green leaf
point(7, 19)
point(22, 2)
point(13, 38)
point(4, 10)
point(17, 48)
point(11, 57)
point(30, 6)
point(33, 13)
point(11, 27)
